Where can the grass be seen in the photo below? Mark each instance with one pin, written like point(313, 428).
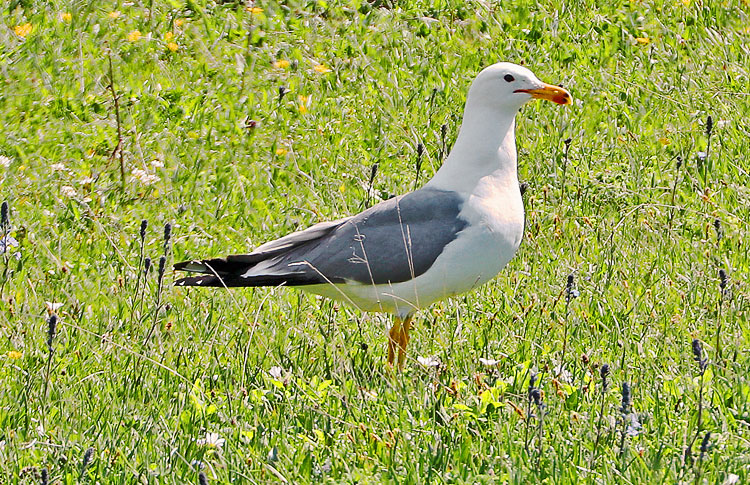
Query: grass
point(239, 126)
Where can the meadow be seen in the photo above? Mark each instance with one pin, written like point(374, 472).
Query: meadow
point(614, 348)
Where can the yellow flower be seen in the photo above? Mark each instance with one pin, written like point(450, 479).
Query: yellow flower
point(686, 2)
point(15, 355)
point(281, 64)
point(172, 46)
point(168, 36)
point(643, 40)
point(134, 36)
point(664, 141)
point(280, 151)
point(66, 17)
point(114, 14)
point(179, 22)
point(255, 10)
point(303, 104)
point(23, 30)
point(321, 69)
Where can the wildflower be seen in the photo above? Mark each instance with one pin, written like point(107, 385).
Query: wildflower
point(168, 36)
point(114, 14)
point(643, 40)
point(66, 17)
point(304, 101)
point(212, 440)
point(255, 10)
point(488, 362)
point(179, 22)
point(15, 355)
point(134, 36)
point(173, 47)
point(5, 161)
point(664, 141)
point(321, 68)
point(276, 372)
point(281, 64)
point(429, 361)
point(23, 30)
point(634, 428)
point(7, 242)
point(58, 167)
point(52, 306)
point(67, 191)
point(144, 177)
point(280, 152)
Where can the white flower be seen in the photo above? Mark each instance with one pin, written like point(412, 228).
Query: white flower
point(276, 372)
point(212, 440)
point(732, 479)
point(5, 161)
point(157, 164)
point(58, 167)
point(144, 177)
point(488, 362)
point(7, 242)
point(722, 123)
point(429, 361)
point(634, 428)
point(67, 191)
point(53, 306)
point(86, 181)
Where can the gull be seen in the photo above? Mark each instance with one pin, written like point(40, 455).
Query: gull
point(448, 237)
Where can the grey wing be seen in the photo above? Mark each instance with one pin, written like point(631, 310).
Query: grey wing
point(394, 241)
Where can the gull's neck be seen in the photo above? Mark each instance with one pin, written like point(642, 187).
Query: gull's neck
point(485, 146)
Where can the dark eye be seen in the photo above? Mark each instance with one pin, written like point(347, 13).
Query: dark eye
point(509, 78)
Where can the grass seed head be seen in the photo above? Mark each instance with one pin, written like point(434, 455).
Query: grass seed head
point(162, 264)
point(146, 265)
point(4, 216)
point(709, 125)
point(704, 443)
point(202, 480)
point(536, 396)
point(167, 233)
point(625, 404)
point(604, 373)
point(45, 477)
point(679, 162)
point(144, 226)
point(87, 455)
point(698, 355)
point(51, 330)
point(723, 279)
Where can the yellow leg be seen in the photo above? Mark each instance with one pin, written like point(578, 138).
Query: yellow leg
point(394, 338)
point(403, 342)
